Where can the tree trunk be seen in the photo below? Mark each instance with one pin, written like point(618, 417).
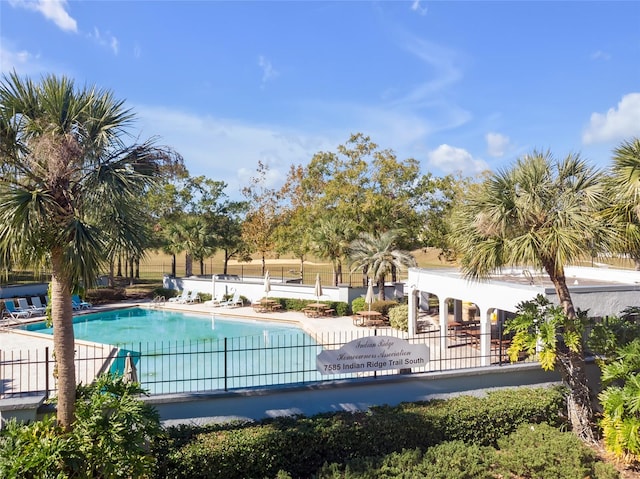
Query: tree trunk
point(201, 267)
point(131, 280)
point(339, 273)
point(63, 341)
point(137, 260)
point(226, 261)
point(572, 366)
point(119, 273)
point(112, 266)
point(301, 268)
point(381, 293)
point(188, 264)
point(173, 265)
point(264, 265)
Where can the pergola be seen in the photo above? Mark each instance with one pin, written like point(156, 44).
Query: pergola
point(602, 291)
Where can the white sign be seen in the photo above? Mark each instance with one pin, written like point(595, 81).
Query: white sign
point(373, 353)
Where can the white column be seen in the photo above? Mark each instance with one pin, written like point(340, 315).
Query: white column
point(444, 320)
point(485, 334)
point(413, 316)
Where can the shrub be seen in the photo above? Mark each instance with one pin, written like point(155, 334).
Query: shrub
point(105, 295)
point(399, 317)
point(383, 307)
point(109, 438)
point(39, 449)
point(301, 446)
point(112, 429)
point(295, 304)
point(358, 305)
point(539, 451)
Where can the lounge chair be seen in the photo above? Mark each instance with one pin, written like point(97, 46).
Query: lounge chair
point(37, 304)
point(78, 304)
point(233, 302)
point(23, 305)
point(216, 302)
point(180, 298)
point(192, 297)
point(13, 311)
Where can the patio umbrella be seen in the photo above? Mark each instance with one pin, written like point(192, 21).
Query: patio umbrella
point(130, 373)
point(318, 288)
point(267, 284)
point(369, 298)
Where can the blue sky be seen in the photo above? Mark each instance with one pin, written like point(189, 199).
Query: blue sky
point(459, 86)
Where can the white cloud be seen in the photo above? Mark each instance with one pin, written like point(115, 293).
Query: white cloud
point(616, 124)
point(54, 10)
point(22, 61)
point(268, 72)
point(106, 40)
point(416, 7)
point(497, 144)
point(450, 159)
point(229, 150)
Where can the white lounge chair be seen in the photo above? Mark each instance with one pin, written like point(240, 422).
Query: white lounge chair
point(216, 302)
point(181, 297)
point(233, 302)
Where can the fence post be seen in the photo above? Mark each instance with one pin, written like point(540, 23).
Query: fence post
point(46, 372)
point(225, 364)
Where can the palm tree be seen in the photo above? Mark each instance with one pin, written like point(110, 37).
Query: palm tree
point(330, 240)
point(544, 214)
point(72, 197)
point(380, 256)
point(624, 192)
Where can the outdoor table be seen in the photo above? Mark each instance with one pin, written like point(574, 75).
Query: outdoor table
point(363, 316)
point(314, 310)
point(265, 305)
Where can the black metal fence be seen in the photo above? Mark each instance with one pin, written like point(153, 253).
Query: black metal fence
point(230, 363)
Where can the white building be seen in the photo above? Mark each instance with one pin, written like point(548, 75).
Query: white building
point(601, 291)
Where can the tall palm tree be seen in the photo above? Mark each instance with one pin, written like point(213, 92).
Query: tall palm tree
point(544, 214)
point(380, 256)
point(624, 193)
point(73, 196)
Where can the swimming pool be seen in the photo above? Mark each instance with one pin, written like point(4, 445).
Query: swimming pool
point(179, 352)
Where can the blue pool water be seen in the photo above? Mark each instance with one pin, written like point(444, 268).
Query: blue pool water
point(178, 352)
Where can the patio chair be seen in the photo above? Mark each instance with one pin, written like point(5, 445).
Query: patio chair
point(22, 304)
point(216, 302)
point(37, 303)
point(78, 304)
point(235, 301)
point(13, 311)
point(181, 297)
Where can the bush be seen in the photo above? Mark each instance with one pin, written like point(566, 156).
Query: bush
point(539, 451)
point(105, 295)
point(109, 438)
point(37, 450)
point(301, 446)
point(399, 317)
point(382, 307)
point(295, 304)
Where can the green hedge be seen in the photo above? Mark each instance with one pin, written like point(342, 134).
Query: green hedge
point(294, 304)
point(301, 446)
point(534, 451)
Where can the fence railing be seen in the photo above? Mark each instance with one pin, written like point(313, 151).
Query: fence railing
point(230, 363)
